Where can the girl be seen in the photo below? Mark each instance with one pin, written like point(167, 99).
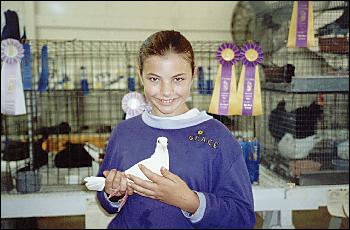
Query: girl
point(207, 184)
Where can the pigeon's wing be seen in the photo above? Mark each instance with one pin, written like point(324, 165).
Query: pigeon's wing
point(286, 146)
point(154, 164)
point(136, 171)
point(95, 183)
point(307, 144)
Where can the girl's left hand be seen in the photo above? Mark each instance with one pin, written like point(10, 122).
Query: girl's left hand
point(169, 188)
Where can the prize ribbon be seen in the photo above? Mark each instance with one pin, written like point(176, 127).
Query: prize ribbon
point(249, 92)
point(27, 67)
point(11, 51)
point(12, 94)
point(224, 94)
point(133, 104)
point(44, 76)
point(301, 30)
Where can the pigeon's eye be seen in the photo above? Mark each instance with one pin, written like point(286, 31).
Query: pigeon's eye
point(158, 141)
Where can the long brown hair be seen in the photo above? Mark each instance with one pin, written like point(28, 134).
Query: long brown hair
point(164, 42)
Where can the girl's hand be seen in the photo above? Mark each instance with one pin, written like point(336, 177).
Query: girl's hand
point(169, 188)
point(116, 183)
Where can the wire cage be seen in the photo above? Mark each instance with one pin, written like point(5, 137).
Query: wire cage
point(304, 131)
point(328, 57)
point(305, 137)
point(65, 121)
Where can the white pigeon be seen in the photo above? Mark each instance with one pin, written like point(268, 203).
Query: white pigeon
point(294, 148)
point(159, 158)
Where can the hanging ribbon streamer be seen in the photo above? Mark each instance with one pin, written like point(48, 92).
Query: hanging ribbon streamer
point(44, 76)
point(249, 92)
point(27, 68)
point(224, 99)
point(133, 104)
point(12, 95)
point(301, 30)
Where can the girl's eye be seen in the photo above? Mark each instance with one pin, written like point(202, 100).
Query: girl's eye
point(178, 79)
point(153, 79)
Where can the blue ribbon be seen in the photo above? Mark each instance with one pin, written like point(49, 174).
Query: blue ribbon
point(44, 76)
point(27, 68)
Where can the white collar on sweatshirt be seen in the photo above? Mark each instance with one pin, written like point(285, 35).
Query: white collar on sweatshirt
point(188, 119)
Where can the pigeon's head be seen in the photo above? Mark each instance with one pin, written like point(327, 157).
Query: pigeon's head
point(162, 142)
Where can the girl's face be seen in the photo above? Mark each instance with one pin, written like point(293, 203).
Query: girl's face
point(167, 82)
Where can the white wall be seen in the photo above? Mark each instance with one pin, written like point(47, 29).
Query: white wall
point(123, 20)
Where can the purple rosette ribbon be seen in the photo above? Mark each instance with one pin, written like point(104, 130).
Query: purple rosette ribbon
point(228, 55)
point(251, 56)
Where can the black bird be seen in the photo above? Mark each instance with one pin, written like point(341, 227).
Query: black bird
point(269, 23)
point(277, 120)
point(339, 27)
point(306, 119)
point(73, 156)
point(300, 122)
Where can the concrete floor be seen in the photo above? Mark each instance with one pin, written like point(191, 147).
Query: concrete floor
point(314, 219)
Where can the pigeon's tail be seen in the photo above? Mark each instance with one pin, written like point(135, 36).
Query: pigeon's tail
point(95, 183)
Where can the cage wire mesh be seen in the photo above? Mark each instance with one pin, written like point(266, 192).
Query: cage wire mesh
point(60, 121)
point(64, 117)
point(305, 140)
point(304, 131)
point(329, 56)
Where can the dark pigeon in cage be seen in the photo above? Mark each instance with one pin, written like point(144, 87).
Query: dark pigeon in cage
point(73, 156)
point(18, 150)
point(306, 119)
point(62, 128)
point(277, 120)
point(269, 23)
point(224, 119)
point(104, 129)
point(277, 74)
point(338, 27)
point(40, 156)
point(15, 150)
point(300, 122)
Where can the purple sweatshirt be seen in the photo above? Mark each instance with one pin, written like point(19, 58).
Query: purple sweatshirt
point(203, 152)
